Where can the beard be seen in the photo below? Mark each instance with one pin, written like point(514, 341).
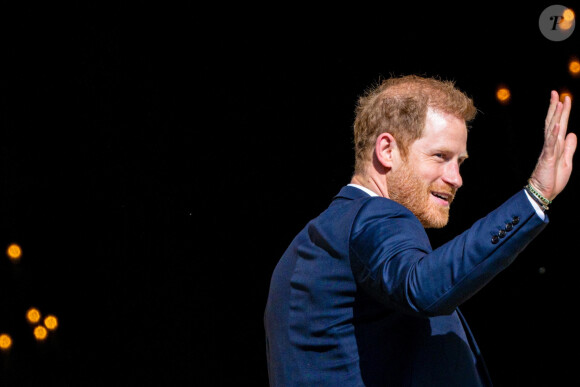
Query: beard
point(406, 188)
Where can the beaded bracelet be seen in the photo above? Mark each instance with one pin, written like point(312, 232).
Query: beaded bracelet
point(540, 199)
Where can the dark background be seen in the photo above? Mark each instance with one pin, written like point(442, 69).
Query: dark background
point(156, 162)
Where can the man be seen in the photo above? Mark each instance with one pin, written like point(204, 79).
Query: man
point(359, 298)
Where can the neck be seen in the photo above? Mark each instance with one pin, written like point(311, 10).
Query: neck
point(378, 186)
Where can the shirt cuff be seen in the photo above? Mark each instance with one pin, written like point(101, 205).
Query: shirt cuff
point(537, 207)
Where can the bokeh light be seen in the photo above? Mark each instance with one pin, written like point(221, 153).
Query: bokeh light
point(568, 14)
point(564, 94)
point(574, 67)
point(51, 322)
point(503, 94)
point(33, 315)
point(5, 341)
point(567, 19)
point(40, 333)
point(14, 252)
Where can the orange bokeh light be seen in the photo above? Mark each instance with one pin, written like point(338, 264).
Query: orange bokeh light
point(5, 341)
point(14, 252)
point(33, 315)
point(574, 67)
point(564, 94)
point(51, 322)
point(567, 19)
point(503, 94)
point(565, 24)
point(40, 333)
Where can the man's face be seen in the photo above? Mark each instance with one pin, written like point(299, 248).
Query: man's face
point(426, 182)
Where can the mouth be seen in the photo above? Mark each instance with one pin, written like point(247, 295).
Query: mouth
point(442, 198)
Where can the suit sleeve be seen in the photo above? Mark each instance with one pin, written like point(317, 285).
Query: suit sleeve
point(392, 259)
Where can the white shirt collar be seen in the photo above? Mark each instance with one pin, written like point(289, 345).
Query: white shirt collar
point(363, 188)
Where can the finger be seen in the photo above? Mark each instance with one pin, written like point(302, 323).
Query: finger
point(550, 141)
point(552, 108)
point(555, 118)
point(564, 118)
point(570, 148)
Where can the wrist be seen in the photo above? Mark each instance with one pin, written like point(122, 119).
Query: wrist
point(537, 195)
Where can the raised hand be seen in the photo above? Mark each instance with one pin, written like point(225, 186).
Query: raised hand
point(554, 166)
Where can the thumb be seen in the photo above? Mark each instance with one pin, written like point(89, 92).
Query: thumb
point(570, 147)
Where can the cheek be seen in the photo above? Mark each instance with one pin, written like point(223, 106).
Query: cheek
point(430, 174)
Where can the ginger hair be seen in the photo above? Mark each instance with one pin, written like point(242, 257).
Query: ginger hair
point(399, 106)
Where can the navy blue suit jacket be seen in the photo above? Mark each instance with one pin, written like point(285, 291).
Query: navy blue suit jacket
point(359, 298)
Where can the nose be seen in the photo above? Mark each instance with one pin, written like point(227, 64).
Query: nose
point(452, 176)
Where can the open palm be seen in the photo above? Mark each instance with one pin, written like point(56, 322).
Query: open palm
point(554, 166)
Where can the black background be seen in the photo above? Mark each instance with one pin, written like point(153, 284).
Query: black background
point(156, 162)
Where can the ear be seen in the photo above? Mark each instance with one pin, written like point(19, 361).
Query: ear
point(386, 150)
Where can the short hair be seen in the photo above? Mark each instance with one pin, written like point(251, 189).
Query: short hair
point(399, 106)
